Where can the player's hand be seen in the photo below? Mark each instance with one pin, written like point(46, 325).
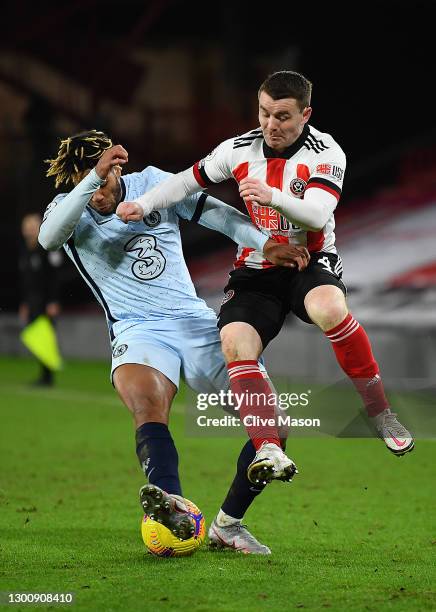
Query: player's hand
point(130, 211)
point(286, 255)
point(115, 156)
point(254, 190)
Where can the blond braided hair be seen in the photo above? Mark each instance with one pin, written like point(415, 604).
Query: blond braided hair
point(76, 154)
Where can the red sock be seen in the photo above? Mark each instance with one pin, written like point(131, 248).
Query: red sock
point(354, 354)
point(247, 382)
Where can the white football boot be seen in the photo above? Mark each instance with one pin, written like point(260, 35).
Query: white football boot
point(168, 509)
point(396, 437)
point(235, 537)
point(271, 463)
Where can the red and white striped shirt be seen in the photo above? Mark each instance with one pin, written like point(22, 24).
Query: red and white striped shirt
point(314, 160)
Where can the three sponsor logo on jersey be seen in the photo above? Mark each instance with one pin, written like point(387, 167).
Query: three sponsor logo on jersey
point(150, 262)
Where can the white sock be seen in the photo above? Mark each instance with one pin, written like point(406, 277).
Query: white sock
point(224, 520)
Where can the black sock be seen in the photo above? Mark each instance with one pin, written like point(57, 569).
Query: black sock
point(46, 375)
point(242, 492)
point(158, 456)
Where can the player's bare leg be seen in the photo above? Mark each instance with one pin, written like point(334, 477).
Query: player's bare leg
point(148, 394)
point(242, 346)
point(327, 308)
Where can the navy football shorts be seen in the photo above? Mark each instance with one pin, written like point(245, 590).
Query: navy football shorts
point(263, 298)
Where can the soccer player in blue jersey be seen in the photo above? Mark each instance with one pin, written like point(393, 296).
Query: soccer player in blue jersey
point(157, 324)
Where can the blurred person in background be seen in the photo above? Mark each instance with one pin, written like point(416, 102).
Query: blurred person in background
point(39, 283)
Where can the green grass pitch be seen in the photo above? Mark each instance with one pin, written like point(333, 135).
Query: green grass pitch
point(355, 531)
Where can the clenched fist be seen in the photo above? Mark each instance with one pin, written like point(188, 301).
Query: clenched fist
point(129, 211)
point(115, 156)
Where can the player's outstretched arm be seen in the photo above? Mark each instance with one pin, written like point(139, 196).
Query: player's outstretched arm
point(164, 195)
point(310, 214)
point(221, 217)
point(214, 168)
point(227, 220)
point(62, 216)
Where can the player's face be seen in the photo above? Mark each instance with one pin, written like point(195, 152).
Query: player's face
point(106, 199)
point(281, 121)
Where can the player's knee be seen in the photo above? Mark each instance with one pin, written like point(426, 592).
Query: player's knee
point(331, 316)
point(144, 404)
point(229, 347)
point(240, 341)
point(149, 413)
point(326, 309)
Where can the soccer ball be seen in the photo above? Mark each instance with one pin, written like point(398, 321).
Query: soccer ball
point(162, 543)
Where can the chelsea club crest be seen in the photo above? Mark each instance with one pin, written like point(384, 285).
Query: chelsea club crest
point(119, 350)
point(153, 219)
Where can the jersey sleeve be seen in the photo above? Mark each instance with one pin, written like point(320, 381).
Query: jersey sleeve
point(62, 215)
point(191, 207)
point(137, 183)
point(215, 167)
point(216, 215)
point(328, 173)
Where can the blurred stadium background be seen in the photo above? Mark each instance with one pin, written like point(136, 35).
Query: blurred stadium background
point(169, 85)
point(169, 80)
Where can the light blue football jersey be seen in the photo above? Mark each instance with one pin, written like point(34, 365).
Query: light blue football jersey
point(137, 270)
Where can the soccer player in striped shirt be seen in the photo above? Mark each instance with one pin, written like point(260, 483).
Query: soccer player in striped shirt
point(157, 324)
point(290, 176)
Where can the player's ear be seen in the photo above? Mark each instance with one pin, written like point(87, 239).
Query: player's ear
point(307, 111)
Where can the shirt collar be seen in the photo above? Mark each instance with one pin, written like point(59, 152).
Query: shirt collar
point(123, 189)
point(291, 150)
